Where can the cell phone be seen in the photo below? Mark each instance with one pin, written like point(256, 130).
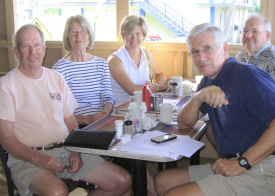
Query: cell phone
point(163, 138)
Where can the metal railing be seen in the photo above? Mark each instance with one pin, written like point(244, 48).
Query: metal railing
point(169, 14)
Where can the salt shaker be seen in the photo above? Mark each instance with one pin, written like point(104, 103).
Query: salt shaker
point(180, 90)
point(119, 128)
point(128, 127)
point(174, 88)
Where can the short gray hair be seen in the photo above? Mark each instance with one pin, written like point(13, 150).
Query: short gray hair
point(129, 22)
point(16, 38)
point(84, 22)
point(265, 22)
point(208, 28)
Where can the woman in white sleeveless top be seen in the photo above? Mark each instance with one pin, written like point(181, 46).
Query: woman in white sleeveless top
point(128, 65)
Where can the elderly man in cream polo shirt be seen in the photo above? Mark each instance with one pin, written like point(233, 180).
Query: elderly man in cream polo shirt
point(36, 116)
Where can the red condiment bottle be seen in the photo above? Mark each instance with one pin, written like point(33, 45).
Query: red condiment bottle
point(146, 96)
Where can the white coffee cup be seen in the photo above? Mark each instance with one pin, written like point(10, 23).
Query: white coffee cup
point(135, 112)
point(166, 113)
point(137, 97)
point(176, 79)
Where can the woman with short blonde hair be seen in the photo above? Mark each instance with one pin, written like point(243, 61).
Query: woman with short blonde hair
point(130, 22)
point(131, 65)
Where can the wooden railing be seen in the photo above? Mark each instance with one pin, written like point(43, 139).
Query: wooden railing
point(172, 58)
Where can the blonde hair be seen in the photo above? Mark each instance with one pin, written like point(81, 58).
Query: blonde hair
point(85, 25)
point(129, 22)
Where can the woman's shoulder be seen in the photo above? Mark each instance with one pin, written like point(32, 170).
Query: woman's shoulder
point(119, 52)
point(99, 59)
point(60, 63)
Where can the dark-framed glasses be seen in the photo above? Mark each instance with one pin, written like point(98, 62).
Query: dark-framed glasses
point(81, 32)
point(205, 49)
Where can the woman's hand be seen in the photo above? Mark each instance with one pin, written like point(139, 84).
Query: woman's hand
point(97, 116)
point(163, 85)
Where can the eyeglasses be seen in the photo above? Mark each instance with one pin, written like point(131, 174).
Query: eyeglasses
point(137, 34)
point(253, 31)
point(205, 49)
point(81, 32)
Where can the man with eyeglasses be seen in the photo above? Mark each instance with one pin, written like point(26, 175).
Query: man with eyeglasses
point(240, 101)
point(258, 50)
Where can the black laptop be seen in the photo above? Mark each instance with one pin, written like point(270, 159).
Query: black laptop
point(95, 139)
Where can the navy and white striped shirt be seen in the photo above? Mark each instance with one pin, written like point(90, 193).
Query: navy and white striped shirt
point(89, 82)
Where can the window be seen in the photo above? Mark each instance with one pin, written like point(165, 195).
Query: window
point(169, 19)
point(51, 16)
point(172, 19)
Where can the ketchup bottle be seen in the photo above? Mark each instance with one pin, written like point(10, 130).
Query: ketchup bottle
point(146, 96)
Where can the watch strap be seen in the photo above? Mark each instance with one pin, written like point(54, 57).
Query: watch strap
point(247, 165)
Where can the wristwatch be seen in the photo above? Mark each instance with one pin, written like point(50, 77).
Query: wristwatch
point(243, 162)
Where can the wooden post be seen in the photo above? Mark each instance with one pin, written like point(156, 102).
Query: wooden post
point(122, 10)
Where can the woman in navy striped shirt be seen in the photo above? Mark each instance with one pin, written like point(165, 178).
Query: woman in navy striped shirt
point(87, 76)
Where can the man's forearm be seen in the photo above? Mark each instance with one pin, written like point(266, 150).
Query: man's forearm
point(18, 150)
point(189, 114)
point(263, 147)
point(11, 144)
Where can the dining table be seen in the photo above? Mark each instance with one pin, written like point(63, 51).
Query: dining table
point(173, 99)
point(139, 160)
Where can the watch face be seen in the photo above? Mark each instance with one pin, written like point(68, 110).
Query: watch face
point(243, 162)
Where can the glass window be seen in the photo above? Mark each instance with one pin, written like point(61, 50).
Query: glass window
point(168, 20)
point(51, 15)
point(172, 19)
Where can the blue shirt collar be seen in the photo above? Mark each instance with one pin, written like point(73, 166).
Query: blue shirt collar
point(224, 72)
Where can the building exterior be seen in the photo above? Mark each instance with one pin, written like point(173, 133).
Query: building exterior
point(170, 19)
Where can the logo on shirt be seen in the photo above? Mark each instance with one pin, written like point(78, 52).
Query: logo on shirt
point(55, 96)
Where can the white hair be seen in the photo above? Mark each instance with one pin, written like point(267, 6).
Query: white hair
point(208, 28)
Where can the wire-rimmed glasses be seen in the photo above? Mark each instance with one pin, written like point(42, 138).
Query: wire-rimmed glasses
point(205, 49)
point(81, 32)
point(252, 31)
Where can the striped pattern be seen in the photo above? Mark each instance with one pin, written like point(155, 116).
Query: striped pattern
point(89, 82)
